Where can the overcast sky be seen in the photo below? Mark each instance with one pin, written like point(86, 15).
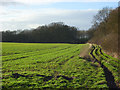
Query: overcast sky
point(27, 14)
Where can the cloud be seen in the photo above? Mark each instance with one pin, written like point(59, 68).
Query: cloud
point(11, 18)
point(31, 2)
point(52, 1)
point(9, 2)
point(26, 19)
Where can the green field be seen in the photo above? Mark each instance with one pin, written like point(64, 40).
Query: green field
point(35, 65)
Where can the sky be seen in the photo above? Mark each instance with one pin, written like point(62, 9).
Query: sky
point(29, 14)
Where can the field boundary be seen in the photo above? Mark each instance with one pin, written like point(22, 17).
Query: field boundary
point(110, 78)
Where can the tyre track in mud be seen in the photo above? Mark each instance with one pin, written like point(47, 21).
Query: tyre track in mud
point(108, 75)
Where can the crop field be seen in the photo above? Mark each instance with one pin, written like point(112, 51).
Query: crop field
point(40, 65)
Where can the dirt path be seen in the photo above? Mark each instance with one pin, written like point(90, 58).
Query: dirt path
point(84, 53)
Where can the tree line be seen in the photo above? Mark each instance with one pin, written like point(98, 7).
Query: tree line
point(56, 32)
point(105, 25)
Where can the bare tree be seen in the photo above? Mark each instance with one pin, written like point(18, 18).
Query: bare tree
point(102, 15)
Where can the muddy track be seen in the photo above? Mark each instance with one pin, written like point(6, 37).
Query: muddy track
point(45, 78)
point(93, 55)
point(103, 54)
point(15, 58)
point(108, 75)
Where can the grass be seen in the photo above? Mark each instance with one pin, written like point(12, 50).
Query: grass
point(37, 65)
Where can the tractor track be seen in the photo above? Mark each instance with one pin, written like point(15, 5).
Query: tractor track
point(108, 74)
